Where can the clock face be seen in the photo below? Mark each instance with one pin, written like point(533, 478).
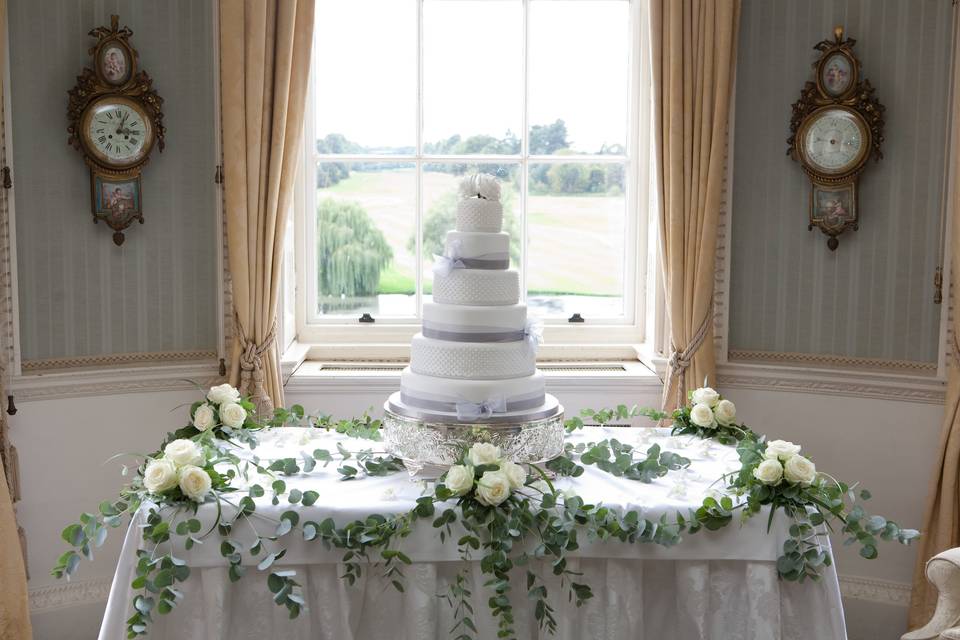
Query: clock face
point(117, 132)
point(834, 141)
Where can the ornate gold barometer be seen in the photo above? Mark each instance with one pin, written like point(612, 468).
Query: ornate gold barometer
point(837, 125)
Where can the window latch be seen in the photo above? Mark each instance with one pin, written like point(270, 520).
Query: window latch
point(576, 318)
point(367, 318)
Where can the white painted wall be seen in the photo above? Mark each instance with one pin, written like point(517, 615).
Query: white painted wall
point(63, 444)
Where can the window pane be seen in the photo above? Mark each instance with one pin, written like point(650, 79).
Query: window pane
point(472, 76)
point(578, 57)
point(365, 76)
point(365, 218)
point(576, 219)
point(440, 183)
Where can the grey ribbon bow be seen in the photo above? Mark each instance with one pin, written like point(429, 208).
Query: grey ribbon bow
point(485, 409)
point(533, 334)
point(445, 264)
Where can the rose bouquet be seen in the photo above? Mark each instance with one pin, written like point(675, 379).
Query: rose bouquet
point(709, 415)
point(774, 474)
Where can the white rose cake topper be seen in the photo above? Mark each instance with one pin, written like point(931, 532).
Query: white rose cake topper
point(480, 185)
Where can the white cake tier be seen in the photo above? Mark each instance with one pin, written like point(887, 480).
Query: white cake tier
point(463, 323)
point(479, 214)
point(471, 360)
point(477, 287)
point(441, 395)
point(479, 249)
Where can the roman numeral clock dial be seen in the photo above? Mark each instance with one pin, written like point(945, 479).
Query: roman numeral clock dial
point(115, 122)
point(837, 124)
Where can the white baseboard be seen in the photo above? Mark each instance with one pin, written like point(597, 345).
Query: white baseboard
point(69, 594)
point(873, 590)
point(72, 594)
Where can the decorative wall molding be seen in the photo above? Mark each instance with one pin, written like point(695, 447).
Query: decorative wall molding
point(50, 386)
point(69, 594)
point(116, 359)
point(906, 388)
point(833, 361)
point(873, 590)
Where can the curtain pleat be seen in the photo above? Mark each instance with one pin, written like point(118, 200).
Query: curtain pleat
point(941, 523)
point(265, 60)
point(693, 58)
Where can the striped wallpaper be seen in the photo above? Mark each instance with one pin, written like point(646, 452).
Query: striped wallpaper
point(873, 297)
point(79, 294)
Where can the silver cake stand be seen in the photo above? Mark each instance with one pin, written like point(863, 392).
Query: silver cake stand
point(429, 443)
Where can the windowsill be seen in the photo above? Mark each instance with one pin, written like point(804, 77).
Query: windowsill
point(384, 377)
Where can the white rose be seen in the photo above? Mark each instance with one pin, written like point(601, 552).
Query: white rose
point(705, 395)
point(194, 482)
point(183, 452)
point(702, 415)
point(781, 450)
point(769, 472)
point(800, 470)
point(484, 453)
point(232, 415)
point(204, 418)
point(160, 475)
point(459, 479)
point(493, 488)
point(516, 474)
point(725, 412)
point(223, 393)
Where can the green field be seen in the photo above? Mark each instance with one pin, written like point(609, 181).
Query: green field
point(575, 244)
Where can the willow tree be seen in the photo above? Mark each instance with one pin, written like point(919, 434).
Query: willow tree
point(351, 250)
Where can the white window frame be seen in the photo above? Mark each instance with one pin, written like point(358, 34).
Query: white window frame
point(344, 338)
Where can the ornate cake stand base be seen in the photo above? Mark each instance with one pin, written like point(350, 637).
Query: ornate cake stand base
point(428, 448)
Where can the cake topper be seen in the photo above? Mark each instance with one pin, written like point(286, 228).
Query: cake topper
point(480, 185)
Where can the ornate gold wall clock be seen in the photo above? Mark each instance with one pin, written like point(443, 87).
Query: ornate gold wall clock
point(115, 122)
point(837, 125)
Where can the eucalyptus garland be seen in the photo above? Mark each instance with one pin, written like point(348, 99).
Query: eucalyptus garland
point(504, 515)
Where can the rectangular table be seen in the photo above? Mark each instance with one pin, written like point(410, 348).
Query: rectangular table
point(713, 585)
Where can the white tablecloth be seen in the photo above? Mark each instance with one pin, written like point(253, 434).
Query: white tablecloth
point(713, 585)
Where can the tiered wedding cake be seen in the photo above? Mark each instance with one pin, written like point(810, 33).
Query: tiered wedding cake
point(474, 363)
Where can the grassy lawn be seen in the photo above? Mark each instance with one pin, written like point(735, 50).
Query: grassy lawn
point(574, 244)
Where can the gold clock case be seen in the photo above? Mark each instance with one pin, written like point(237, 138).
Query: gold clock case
point(102, 159)
point(826, 176)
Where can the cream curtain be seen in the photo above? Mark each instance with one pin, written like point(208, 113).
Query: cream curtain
point(941, 523)
point(264, 60)
point(694, 46)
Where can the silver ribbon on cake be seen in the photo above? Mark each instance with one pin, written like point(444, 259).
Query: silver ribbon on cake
point(444, 265)
point(453, 259)
point(475, 410)
point(469, 333)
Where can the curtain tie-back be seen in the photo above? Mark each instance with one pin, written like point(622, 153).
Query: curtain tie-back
point(680, 361)
point(251, 368)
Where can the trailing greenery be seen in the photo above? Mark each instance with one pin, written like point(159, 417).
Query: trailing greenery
point(507, 516)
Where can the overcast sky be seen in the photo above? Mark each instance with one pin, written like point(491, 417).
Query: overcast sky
point(365, 61)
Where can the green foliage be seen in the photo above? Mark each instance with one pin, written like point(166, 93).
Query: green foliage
point(622, 460)
point(603, 417)
point(351, 250)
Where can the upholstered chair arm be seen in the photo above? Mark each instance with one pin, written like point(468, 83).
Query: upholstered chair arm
point(943, 571)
